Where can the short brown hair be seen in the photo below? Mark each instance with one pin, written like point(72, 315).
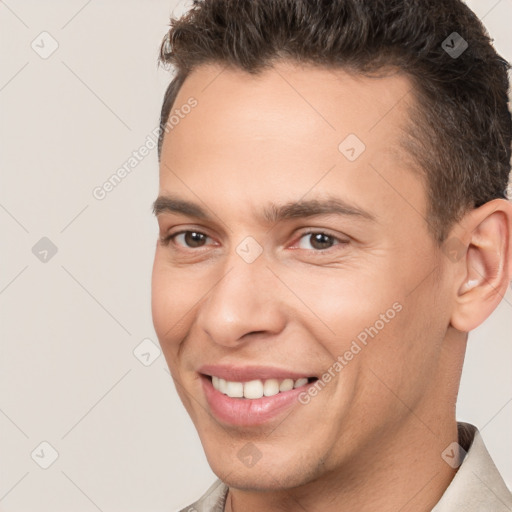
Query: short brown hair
point(461, 127)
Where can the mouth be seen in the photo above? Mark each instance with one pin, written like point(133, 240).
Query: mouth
point(249, 401)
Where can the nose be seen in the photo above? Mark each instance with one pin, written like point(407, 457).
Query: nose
point(242, 304)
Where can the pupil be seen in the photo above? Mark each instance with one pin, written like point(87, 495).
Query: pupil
point(194, 239)
point(321, 241)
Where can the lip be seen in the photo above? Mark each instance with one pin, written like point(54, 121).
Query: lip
point(248, 373)
point(245, 412)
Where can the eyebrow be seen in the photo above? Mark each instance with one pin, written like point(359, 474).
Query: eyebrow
point(168, 204)
point(273, 212)
point(312, 207)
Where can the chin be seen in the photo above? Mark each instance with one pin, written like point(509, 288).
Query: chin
point(269, 473)
point(252, 480)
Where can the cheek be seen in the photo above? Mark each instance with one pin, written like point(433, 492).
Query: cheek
point(174, 293)
point(401, 360)
point(345, 306)
point(373, 321)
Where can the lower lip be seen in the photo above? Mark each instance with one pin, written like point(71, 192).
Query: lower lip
point(247, 412)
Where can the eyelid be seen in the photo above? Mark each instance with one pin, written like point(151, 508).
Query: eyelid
point(311, 231)
point(166, 239)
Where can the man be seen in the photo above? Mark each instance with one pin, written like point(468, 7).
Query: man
point(333, 223)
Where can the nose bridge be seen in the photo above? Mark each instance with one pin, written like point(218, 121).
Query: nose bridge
point(243, 300)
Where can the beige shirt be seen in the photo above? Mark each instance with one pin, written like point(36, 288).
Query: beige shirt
point(476, 487)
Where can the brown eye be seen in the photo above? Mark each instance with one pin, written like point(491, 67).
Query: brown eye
point(317, 241)
point(191, 239)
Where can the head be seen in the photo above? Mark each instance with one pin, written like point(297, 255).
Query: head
point(332, 205)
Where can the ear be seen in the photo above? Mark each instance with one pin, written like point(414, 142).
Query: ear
point(484, 249)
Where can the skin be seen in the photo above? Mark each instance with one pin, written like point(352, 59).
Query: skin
point(372, 438)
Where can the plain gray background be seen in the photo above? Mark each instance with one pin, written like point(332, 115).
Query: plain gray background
point(70, 321)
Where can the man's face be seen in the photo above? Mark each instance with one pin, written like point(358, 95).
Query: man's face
point(299, 249)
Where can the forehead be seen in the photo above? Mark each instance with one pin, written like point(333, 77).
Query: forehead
point(289, 131)
point(333, 99)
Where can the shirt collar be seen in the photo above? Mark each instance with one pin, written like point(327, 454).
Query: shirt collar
point(477, 485)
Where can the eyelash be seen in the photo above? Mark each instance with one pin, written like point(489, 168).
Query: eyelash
point(337, 241)
point(167, 240)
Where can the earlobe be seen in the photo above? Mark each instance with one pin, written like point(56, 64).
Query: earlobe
point(486, 269)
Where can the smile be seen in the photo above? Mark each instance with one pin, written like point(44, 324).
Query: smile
point(246, 397)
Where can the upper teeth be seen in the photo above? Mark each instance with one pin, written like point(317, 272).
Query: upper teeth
point(255, 388)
